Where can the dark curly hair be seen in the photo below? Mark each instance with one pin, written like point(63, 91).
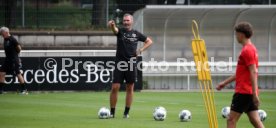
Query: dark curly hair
point(245, 28)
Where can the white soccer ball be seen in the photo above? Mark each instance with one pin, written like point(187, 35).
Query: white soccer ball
point(159, 113)
point(185, 115)
point(225, 112)
point(262, 114)
point(104, 113)
point(160, 107)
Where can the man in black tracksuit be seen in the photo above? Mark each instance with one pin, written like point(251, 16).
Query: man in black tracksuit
point(127, 40)
point(12, 61)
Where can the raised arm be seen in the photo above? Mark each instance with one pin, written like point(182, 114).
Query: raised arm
point(113, 27)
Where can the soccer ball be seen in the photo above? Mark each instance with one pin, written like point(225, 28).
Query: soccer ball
point(159, 113)
point(104, 113)
point(262, 114)
point(160, 107)
point(185, 115)
point(225, 112)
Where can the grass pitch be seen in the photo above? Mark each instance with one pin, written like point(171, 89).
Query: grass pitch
point(79, 110)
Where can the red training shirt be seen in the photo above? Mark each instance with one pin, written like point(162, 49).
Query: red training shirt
point(248, 56)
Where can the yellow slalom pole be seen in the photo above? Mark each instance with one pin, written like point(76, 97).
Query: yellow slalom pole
point(209, 83)
point(204, 61)
point(214, 106)
point(201, 64)
point(205, 104)
point(204, 76)
point(210, 101)
point(206, 69)
point(198, 60)
point(208, 104)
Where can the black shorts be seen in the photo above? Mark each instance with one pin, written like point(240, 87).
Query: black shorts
point(128, 74)
point(10, 67)
point(243, 103)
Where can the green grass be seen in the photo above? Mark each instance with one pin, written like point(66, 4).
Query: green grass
point(79, 110)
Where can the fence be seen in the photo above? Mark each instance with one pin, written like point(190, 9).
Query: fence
point(69, 40)
point(182, 76)
point(56, 14)
point(170, 29)
point(63, 53)
point(85, 14)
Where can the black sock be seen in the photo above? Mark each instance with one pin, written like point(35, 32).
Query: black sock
point(22, 87)
point(112, 112)
point(1, 87)
point(126, 110)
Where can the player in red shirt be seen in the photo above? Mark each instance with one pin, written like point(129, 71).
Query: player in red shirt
point(246, 97)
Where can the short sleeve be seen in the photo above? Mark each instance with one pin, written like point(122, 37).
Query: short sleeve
point(119, 31)
point(249, 57)
point(141, 37)
point(15, 42)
